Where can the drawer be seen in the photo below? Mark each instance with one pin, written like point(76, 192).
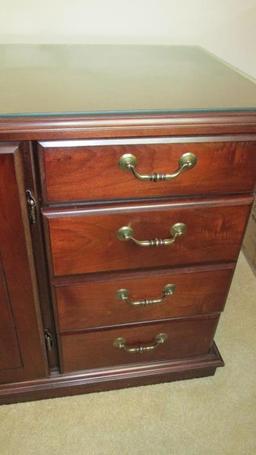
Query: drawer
point(163, 341)
point(132, 297)
point(83, 241)
point(89, 170)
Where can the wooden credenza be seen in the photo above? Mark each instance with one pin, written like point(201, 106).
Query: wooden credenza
point(125, 190)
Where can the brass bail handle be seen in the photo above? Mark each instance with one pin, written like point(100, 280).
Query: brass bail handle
point(128, 162)
point(120, 343)
point(126, 233)
point(123, 295)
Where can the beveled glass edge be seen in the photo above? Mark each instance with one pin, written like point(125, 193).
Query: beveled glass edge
point(134, 112)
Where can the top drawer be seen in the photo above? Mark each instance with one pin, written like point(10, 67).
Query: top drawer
point(90, 170)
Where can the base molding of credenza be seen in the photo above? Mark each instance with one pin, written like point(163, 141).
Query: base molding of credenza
point(58, 385)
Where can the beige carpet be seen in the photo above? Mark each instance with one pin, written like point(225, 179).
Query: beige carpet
point(198, 417)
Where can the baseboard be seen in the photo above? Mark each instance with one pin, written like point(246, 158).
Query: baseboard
point(58, 385)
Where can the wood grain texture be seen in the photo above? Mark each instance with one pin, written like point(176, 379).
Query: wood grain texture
point(9, 349)
point(78, 171)
point(5, 308)
point(18, 270)
point(186, 337)
point(92, 302)
point(85, 241)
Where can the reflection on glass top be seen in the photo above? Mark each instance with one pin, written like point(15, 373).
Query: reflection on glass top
point(99, 79)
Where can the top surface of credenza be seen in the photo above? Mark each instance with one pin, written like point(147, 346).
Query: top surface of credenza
point(38, 80)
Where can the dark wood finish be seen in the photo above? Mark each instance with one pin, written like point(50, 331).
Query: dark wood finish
point(86, 240)
point(5, 309)
point(80, 240)
point(186, 337)
point(89, 170)
point(92, 302)
point(112, 378)
point(32, 182)
point(9, 354)
point(103, 126)
point(9, 349)
point(17, 267)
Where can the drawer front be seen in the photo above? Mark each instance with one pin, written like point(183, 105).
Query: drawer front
point(133, 297)
point(183, 338)
point(90, 170)
point(87, 241)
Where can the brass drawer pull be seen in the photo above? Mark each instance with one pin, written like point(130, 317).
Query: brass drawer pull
point(125, 233)
point(120, 343)
point(123, 294)
point(128, 162)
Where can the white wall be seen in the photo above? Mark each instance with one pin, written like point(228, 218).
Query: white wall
point(225, 27)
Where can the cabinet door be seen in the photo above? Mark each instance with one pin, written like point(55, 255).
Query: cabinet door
point(22, 350)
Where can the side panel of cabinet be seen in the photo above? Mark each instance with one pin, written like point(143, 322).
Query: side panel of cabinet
point(9, 349)
point(22, 350)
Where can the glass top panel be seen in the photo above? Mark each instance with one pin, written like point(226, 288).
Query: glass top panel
point(100, 79)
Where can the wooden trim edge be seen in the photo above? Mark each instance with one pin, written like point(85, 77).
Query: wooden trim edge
point(79, 127)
